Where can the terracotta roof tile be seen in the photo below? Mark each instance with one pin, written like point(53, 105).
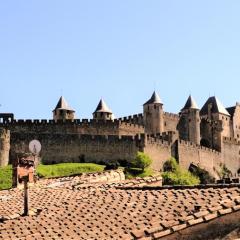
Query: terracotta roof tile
point(77, 209)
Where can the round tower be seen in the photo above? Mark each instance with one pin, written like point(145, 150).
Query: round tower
point(4, 147)
point(153, 115)
point(102, 112)
point(63, 111)
point(189, 123)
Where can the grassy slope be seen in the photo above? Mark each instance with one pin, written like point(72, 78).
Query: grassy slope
point(48, 171)
point(6, 177)
point(67, 169)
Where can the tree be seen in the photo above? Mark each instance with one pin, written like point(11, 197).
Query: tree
point(142, 161)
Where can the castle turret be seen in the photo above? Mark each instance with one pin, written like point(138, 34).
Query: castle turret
point(63, 111)
point(153, 115)
point(189, 123)
point(102, 112)
point(215, 123)
point(4, 147)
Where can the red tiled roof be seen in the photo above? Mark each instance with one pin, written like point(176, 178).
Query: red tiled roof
point(77, 210)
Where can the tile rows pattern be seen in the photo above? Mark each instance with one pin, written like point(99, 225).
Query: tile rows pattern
point(104, 211)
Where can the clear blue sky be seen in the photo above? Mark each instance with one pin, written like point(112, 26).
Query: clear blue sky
point(119, 50)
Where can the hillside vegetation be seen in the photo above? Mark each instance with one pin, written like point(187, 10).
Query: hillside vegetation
point(49, 171)
point(174, 175)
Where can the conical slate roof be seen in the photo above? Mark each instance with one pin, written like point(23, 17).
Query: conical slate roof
point(102, 107)
point(154, 99)
point(190, 104)
point(63, 105)
point(217, 107)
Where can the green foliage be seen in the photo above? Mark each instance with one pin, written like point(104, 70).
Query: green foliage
point(204, 176)
point(176, 175)
point(171, 165)
point(141, 161)
point(137, 172)
point(67, 169)
point(225, 172)
point(5, 177)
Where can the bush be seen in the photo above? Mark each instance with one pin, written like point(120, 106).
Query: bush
point(171, 165)
point(176, 175)
point(111, 166)
point(137, 172)
point(225, 172)
point(141, 161)
point(203, 175)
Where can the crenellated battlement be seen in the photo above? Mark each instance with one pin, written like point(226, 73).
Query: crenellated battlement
point(70, 122)
point(193, 145)
point(231, 140)
point(172, 116)
point(136, 118)
point(157, 139)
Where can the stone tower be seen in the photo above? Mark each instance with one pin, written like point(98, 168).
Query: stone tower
point(102, 112)
point(215, 123)
point(153, 115)
point(63, 111)
point(4, 147)
point(189, 123)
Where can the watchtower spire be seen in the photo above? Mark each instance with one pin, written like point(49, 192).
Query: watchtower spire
point(102, 112)
point(63, 111)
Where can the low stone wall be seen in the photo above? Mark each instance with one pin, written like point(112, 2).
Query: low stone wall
point(107, 176)
point(111, 176)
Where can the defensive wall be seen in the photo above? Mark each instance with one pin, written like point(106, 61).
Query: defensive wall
point(4, 146)
point(111, 140)
point(231, 154)
point(135, 119)
point(158, 149)
point(77, 126)
point(203, 157)
point(60, 147)
point(170, 121)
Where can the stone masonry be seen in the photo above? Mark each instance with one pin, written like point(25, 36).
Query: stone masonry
point(208, 137)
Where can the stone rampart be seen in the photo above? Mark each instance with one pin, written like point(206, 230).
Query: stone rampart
point(58, 148)
point(203, 157)
point(136, 119)
point(4, 147)
point(77, 126)
point(170, 121)
point(231, 154)
point(158, 150)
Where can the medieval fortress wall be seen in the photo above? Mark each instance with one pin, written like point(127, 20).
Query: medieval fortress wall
point(199, 137)
point(4, 146)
